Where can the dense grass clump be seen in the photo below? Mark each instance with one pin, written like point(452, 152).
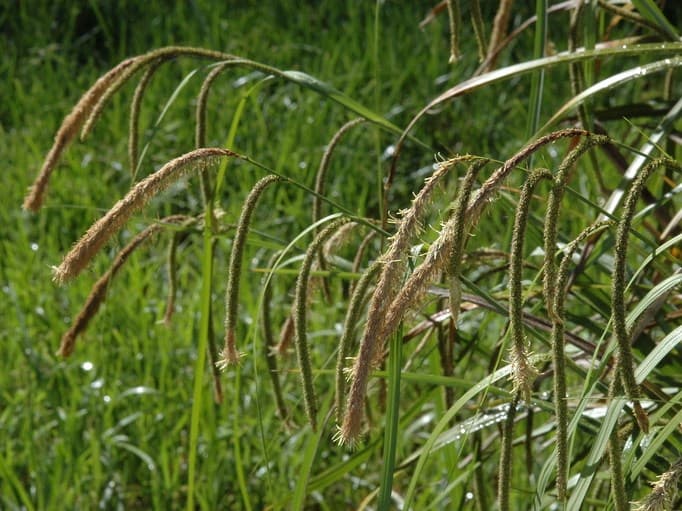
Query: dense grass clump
point(463, 220)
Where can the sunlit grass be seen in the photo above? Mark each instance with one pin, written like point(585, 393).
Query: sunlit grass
point(129, 419)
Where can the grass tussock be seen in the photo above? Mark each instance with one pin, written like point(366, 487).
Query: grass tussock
point(420, 342)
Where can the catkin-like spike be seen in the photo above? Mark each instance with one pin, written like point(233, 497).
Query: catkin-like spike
point(459, 222)
point(392, 269)
point(523, 373)
point(67, 132)
point(91, 103)
point(556, 194)
point(455, 18)
point(349, 325)
point(506, 459)
point(625, 358)
point(321, 175)
point(664, 493)
point(437, 254)
point(230, 355)
point(558, 346)
point(161, 54)
point(99, 290)
point(104, 228)
point(134, 126)
point(300, 318)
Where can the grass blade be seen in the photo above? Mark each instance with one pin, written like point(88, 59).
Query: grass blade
point(649, 10)
point(392, 416)
point(612, 81)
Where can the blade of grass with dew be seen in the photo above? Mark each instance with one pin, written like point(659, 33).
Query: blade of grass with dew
point(657, 251)
point(650, 11)
point(480, 386)
point(662, 349)
point(609, 83)
point(392, 416)
point(609, 421)
point(659, 134)
point(478, 82)
point(659, 438)
point(655, 295)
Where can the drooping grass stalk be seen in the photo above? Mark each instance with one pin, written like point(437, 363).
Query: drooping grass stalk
point(270, 352)
point(523, 374)
point(664, 492)
point(99, 290)
point(455, 20)
point(458, 223)
point(134, 121)
point(393, 265)
point(200, 130)
point(136, 198)
point(556, 195)
point(229, 354)
point(301, 314)
point(88, 107)
point(321, 175)
point(625, 358)
point(558, 346)
point(67, 132)
point(506, 459)
point(437, 253)
point(377, 329)
point(162, 55)
point(352, 319)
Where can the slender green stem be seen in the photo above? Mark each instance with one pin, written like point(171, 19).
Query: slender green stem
point(199, 367)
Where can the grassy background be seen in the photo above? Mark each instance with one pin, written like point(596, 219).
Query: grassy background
point(109, 427)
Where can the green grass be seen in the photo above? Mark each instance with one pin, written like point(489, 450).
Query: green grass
point(129, 421)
